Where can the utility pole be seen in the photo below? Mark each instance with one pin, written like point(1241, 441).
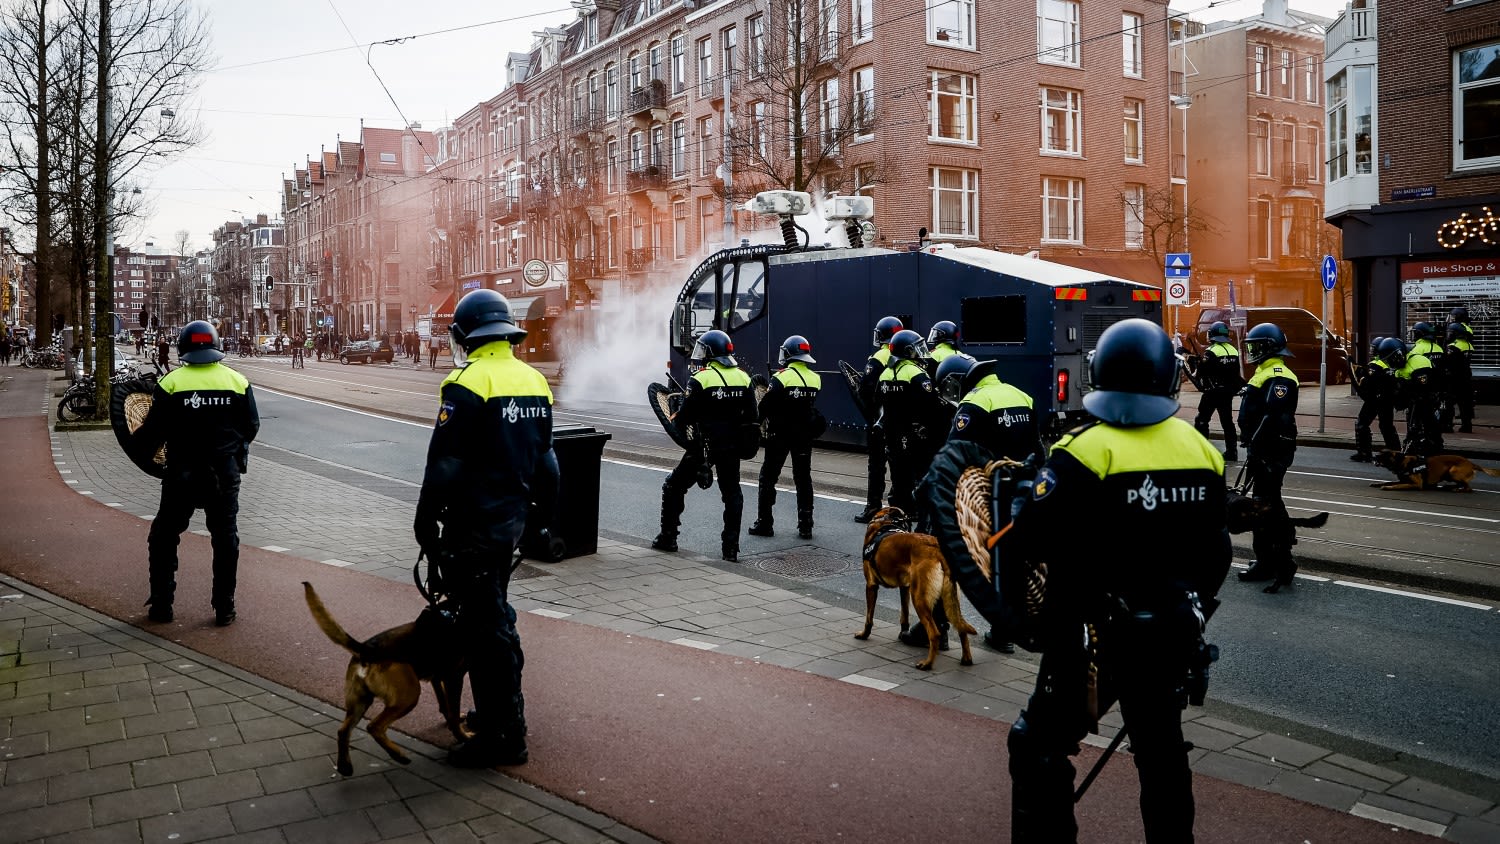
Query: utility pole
point(104, 356)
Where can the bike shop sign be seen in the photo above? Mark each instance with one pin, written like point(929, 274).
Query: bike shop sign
point(1437, 280)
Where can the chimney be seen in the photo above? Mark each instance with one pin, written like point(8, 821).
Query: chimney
point(261, 220)
point(1274, 11)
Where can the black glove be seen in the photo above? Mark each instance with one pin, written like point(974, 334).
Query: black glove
point(429, 537)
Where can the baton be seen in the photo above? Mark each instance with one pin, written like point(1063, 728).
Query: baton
point(1099, 766)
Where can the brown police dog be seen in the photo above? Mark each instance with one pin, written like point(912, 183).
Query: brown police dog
point(1416, 472)
point(391, 666)
point(912, 563)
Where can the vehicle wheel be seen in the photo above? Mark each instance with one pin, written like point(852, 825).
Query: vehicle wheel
point(75, 407)
point(344, 359)
point(368, 359)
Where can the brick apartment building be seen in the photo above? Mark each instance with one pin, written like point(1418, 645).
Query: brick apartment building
point(605, 158)
point(1254, 143)
point(147, 287)
point(358, 225)
point(1414, 106)
point(247, 253)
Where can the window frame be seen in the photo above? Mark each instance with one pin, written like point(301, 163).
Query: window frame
point(678, 63)
point(861, 21)
point(968, 108)
point(1067, 53)
point(679, 147)
point(1073, 199)
point(1460, 88)
point(968, 192)
point(1134, 198)
point(965, 18)
point(1139, 120)
point(1261, 146)
point(1073, 122)
point(705, 51)
point(863, 102)
point(1132, 44)
point(1260, 69)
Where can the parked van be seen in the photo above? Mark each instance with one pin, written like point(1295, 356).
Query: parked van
point(1304, 337)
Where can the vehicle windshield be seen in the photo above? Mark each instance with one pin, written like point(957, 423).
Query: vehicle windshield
point(725, 298)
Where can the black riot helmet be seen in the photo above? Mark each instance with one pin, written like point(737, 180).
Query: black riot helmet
point(714, 346)
point(908, 345)
point(1218, 332)
point(885, 329)
point(1265, 341)
point(1133, 375)
point(958, 373)
point(1375, 345)
point(945, 331)
point(1459, 314)
point(793, 348)
point(198, 343)
point(1459, 331)
point(482, 316)
point(1393, 352)
point(1423, 331)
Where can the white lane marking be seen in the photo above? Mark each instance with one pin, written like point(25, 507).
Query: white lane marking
point(1334, 503)
point(114, 504)
point(276, 548)
point(343, 383)
point(1440, 515)
point(336, 563)
point(1379, 815)
point(546, 613)
point(339, 465)
point(869, 682)
point(1402, 521)
point(1405, 594)
point(64, 471)
point(1381, 479)
point(694, 643)
point(71, 481)
point(426, 425)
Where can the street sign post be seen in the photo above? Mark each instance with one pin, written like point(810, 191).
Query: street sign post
point(1177, 291)
point(1330, 274)
point(1179, 269)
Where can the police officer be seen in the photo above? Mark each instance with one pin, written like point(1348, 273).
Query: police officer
point(1425, 342)
point(1124, 608)
point(792, 422)
point(1378, 390)
point(997, 416)
point(1219, 370)
point(489, 458)
point(1268, 419)
point(1460, 375)
point(942, 341)
point(1418, 381)
point(720, 403)
point(205, 414)
point(875, 432)
point(916, 417)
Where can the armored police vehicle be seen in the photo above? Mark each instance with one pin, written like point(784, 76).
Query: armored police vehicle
point(1038, 319)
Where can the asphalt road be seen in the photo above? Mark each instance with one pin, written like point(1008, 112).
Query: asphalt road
point(1413, 674)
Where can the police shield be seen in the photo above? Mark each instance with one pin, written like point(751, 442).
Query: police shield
point(852, 378)
point(129, 403)
point(666, 401)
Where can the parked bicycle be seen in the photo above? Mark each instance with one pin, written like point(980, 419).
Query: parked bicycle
point(299, 361)
point(79, 400)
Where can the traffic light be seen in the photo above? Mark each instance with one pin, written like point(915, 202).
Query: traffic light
point(269, 283)
point(142, 316)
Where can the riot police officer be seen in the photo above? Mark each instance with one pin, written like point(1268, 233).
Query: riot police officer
point(1219, 370)
point(489, 458)
point(875, 432)
point(1268, 419)
point(916, 417)
point(942, 341)
point(1418, 381)
point(1378, 390)
point(205, 414)
point(720, 403)
point(1124, 608)
point(791, 421)
point(1425, 342)
point(1460, 375)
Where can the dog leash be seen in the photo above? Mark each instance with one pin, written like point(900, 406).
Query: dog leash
point(1099, 766)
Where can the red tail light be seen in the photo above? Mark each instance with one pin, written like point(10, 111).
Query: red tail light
point(1062, 385)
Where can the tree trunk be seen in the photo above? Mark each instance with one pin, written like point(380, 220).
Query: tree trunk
point(104, 356)
point(43, 327)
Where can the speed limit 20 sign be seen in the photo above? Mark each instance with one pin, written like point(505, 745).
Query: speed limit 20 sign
point(1177, 292)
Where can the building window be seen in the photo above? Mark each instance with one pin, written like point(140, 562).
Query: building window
point(1260, 229)
point(1061, 119)
point(708, 227)
point(1476, 106)
point(612, 164)
point(864, 180)
point(1135, 152)
point(828, 113)
point(705, 67)
point(1135, 216)
point(828, 28)
point(679, 228)
point(731, 46)
point(679, 64)
point(612, 240)
point(637, 81)
point(679, 148)
point(637, 151)
point(656, 63)
point(1350, 123)
point(1260, 70)
point(955, 203)
point(1130, 30)
point(760, 130)
point(951, 23)
point(1057, 31)
point(658, 146)
point(864, 101)
point(1310, 152)
point(1310, 76)
point(757, 26)
point(612, 91)
point(1062, 210)
point(706, 146)
point(953, 108)
point(862, 19)
point(1262, 147)
point(1284, 76)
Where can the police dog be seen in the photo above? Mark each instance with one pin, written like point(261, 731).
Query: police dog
point(391, 666)
point(1415, 472)
point(896, 558)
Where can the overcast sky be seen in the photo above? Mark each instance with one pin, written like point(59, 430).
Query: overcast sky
point(265, 112)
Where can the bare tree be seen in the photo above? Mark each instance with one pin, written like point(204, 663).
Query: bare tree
point(1165, 223)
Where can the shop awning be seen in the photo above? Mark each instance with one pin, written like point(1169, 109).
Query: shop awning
point(527, 307)
point(440, 306)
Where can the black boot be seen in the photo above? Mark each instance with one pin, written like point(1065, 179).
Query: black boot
point(868, 514)
point(917, 635)
point(161, 610)
point(665, 542)
point(673, 502)
point(730, 554)
point(804, 525)
point(1364, 446)
point(999, 644)
point(762, 527)
point(1257, 573)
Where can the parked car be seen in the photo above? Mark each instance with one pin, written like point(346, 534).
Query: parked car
point(366, 351)
point(1304, 337)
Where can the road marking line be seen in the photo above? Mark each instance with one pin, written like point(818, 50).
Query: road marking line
point(114, 504)
point(1440, 515)
point(1334, 503)
point(336, 563)
point(1405, 594)
point(64, 471)
point(70, 481)
point(546, 613)
point(694, 643)
point(424, 425)
point(277, 548)
point(1379, 815)
point(869, 682)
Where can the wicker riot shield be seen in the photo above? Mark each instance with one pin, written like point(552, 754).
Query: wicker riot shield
point(129, 402)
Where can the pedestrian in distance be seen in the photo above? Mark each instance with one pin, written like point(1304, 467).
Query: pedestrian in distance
point(4, 350)
point(790, 418)
point(1268, 419)
point(1120, 623)
point(1377, 390)
point(164, 350)
point(204, 412)
point(1219, 372)
point(1458, 359)
point(489, 459)
point(869, 395)
point(720, 404)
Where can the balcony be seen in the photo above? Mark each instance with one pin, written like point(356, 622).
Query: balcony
point(1352, 25)
point(588, 126)
point(586, 267)
point(1295, 174)
point(504, 209)
point(650, 177)
point(641, 258)
point(645, 101)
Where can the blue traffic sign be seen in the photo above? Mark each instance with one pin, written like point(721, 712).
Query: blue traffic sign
point(1330, 272)
point(1179, 265)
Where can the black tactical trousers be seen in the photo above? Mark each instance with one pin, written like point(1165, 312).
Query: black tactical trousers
point(875, 469)
point(726, 464)
point(1218, 401)
point(487, 624)
point(776, 451)
point(911, 457)
point(1274, 535)
point(1424, 435)
point(1371, 410)
point(1460, 398)
point(1147, 683)
point(218, 495)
